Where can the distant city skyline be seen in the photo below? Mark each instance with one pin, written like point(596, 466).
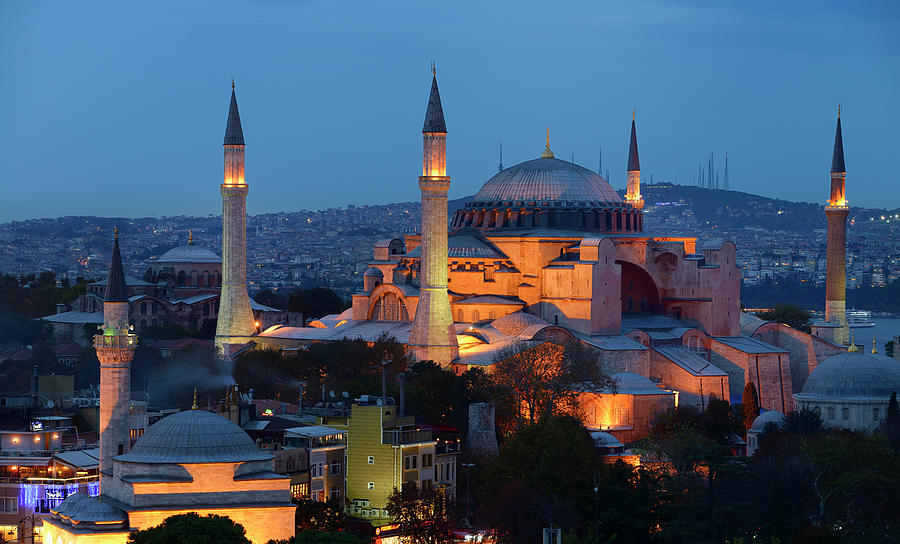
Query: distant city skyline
point(120, 110)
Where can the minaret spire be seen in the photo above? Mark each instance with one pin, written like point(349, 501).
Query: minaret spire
point(633, 172)
point(235, 322)
point(836, 212)
point(433, 337)
point(115, 347)
point(500, 166)
point(547, 154)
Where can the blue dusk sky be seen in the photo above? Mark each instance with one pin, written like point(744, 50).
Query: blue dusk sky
point(119, 108)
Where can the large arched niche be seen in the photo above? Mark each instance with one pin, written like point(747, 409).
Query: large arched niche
point(639, 292)
point(388, 304)
point(666, 266)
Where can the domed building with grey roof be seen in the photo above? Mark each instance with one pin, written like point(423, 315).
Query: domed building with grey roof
point(851, 390)
point(762, 422)
point(192, 461)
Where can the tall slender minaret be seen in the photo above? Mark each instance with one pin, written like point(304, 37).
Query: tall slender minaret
point(115, 349)
point(235, 315)
point(433, 337)
point(633, 194)
point(836, 257)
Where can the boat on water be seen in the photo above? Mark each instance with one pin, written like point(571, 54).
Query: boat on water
point(859, 319)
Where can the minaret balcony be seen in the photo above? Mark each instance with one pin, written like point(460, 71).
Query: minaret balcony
point(118, 341)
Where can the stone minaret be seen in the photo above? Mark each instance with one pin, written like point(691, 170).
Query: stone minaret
point(836, 258)
point(433, 336)
point(633, 194)
point(235, 316)
point(115, 350)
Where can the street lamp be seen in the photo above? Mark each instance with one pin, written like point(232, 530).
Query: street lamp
point(467, 466)
point(23, 523)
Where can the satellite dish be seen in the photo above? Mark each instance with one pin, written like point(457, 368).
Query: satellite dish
point(345, 394)
point(331, 394)
point(50, 404)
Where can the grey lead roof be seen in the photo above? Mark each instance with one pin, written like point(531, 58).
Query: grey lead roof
point(234, 134)
point(434, 115)
point(634, 163)
point(546, 179)
point(115, 280)
point(837, 157)
point(853, 374)
point(194, 436)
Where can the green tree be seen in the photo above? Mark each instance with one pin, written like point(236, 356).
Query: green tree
point(424, 515)
point(543, 474)
point(321, 537)
point(751, 404)
point(803, 422)
point(325, 517)
point(315, 303)
point(791, 315)
point(191, 528)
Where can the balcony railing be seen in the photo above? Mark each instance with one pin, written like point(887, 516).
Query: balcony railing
point(399, 438)
point(116, 341)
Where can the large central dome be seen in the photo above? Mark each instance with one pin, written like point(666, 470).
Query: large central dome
point(548, 193)
point(547, 179)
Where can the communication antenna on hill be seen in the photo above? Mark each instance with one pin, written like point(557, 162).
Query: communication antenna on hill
point(726, 172)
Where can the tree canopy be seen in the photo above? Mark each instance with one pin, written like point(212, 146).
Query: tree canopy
point(191, 528)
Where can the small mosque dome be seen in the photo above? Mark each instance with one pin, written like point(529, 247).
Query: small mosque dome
point(547, 179)
point(604, 439)
point(373, 272)
point(772, 416)
point(853, 374)
point(194, 436)
point(189, 253)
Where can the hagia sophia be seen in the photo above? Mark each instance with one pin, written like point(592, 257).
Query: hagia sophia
point(546, 251)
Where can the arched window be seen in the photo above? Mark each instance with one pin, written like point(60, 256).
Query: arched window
point(181, 278)
point(831, 412)
point(155, 308)
point(389, 308)
point(629, 307)
point(845, 413)
point(144, 307)
point(143, 324)
point(459, 316)
point(206, 310)
point(474, 315)
point(876, 415)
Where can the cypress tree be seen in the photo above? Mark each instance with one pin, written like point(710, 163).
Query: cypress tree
point(751, 404)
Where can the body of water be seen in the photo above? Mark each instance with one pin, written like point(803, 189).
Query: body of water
point(885, 329)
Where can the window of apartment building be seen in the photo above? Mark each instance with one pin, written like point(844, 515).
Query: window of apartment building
point(335, 467)
point(9, 505)
point(317, 470)
point(335, 493)
point(427, 460)
point(427, 485)
point(411, 462)
point(371, 486)
point(299, 490)
point(845, 414)
point(371, 460)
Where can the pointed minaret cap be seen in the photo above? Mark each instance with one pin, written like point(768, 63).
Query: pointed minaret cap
point(874, 345)
point(115, 280)
point(434, 116)
point(634, 163)
point(837, 158)
point(190, 237)
point(195, 406)
point(234, 134)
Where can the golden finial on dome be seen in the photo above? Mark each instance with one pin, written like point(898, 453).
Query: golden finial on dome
point(190, 237)
point(633, 113)
point(547, 154)
point(195, 406)
point(874, 349)
point(116, 231)
point(852, 348)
